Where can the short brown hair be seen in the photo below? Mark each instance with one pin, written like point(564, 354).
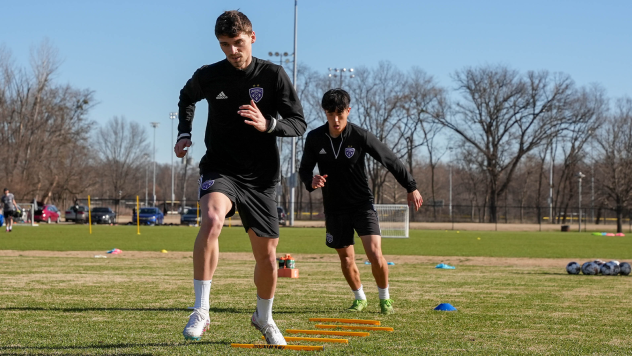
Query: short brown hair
point(232, 24)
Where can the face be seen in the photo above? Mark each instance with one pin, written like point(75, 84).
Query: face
point(238, 50)
point(337, 121)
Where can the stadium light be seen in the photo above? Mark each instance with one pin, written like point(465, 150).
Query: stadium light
point(154, 125)
point(172, 116)
point(339, 72)
point(580, 175)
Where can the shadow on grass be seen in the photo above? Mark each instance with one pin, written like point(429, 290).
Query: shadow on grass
point(114, 346)
point(212, 310)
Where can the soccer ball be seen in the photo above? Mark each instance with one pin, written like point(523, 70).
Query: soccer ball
point(609, 269)
point(624, 268)
point(590, 268)
point(573, 268)
point(599, 262)
point(615, 262)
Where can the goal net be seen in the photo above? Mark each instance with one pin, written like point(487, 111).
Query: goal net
point(393, 220)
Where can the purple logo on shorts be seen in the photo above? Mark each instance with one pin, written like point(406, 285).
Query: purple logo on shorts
point(349, 152)
point(207, 184)
point(256, 94)
point(330, 238)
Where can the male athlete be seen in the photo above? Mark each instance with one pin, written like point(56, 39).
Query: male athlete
point(9, 206)
point(240, 169)
point(339, 148)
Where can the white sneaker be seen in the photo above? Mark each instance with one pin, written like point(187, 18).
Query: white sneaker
point(270, 331)
point(197, 325)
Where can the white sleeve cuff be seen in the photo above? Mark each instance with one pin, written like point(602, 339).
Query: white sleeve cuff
point(184, 135)
point(272, 125)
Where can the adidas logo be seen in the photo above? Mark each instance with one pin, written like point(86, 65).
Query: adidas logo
point(221, 96)
point(322, 151)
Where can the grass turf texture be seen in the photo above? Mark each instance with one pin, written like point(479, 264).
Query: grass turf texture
point(87, 306)
point(312, 240)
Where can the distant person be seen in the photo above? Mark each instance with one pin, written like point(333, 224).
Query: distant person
point(339, 149)
point(241, 168)
point(9, 208)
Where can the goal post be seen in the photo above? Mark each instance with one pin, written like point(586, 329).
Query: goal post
point(393, 219)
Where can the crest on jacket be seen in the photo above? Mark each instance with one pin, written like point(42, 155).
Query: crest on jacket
point(256, 94)
point(349, 152)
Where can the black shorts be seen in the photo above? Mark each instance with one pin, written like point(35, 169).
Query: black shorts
point(8, 214)
point(340, 226)
point(257, 206)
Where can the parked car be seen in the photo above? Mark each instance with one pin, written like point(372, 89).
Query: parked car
point(190, 216)
point(48, 213)
point(149, 216)
point(77, 213)
point(281, 213)
point(102, 215)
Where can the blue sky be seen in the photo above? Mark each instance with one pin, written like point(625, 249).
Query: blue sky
point(136, 55)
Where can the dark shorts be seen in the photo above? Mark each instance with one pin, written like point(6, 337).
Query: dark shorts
point(257, 206)
point(340, 226)
point(8, 214)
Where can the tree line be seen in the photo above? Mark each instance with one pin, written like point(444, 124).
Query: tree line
point(499, 131)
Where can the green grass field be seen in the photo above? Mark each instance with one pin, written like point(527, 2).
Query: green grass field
point(312, 240)
point(138, 306)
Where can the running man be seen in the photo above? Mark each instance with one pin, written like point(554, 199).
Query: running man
point(9, 206)
point(339, 149)
point(240, 169)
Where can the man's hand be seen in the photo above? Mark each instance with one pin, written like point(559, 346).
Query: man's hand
point(255, 116)
point(415, 200)
point(179, 149)
point(319, 181)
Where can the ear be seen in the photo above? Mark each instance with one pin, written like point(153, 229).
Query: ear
point(348, 110)
point(253, 37)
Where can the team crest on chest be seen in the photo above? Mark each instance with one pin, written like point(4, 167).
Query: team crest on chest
point(256, 94)
point(349, 152)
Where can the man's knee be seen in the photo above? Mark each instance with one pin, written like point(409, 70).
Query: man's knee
point(212, 222)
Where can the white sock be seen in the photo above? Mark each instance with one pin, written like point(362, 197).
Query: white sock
point(383, 293)
point(359, 294)
point(202, 294)
point(264, 310)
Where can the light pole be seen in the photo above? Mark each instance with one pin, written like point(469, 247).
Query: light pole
point(338, 72)
point(173, 116)
point(592, 193)
point(293, 163)
point(551, 189)
point(146, 157)
point(579, 177)
point(278, 117)
point(450, 164)
point(154, 125)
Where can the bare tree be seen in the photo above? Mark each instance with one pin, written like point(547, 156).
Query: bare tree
point(378, 94)
point(504, 116)
point(41, 125)
point(120, 145)
point(614, 143)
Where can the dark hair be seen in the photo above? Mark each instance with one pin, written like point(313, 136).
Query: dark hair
point(232, 24)
point(335, 100)
point(5, 189)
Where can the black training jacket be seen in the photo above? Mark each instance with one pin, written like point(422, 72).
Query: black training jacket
point(233, 147)
point(342, 160)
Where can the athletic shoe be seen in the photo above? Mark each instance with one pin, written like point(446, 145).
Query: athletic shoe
point(270, 331)
point(386, 305)
point(197, 325)
point(358, 305)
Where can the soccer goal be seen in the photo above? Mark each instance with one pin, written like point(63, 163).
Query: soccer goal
point(393, 220)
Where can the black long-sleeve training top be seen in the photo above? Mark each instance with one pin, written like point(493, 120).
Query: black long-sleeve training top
point(342, 160)
point(233, 147)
